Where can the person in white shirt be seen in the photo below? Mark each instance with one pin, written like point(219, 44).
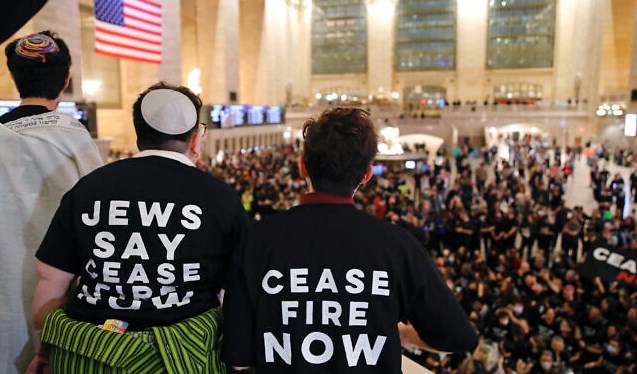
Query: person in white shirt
point(42, 154)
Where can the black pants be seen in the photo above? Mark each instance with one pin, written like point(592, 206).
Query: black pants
point(569, 246)
point(545, 242)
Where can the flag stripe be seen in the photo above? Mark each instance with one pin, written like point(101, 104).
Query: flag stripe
point(128, 57)
point(105, 34)
point(126, 52)
point(122, 31)
point(127, 43)
point(142, 8)
point(142, 15)
point(151, 3)
point(141, 26)
point(132, 17)
point(139, 16)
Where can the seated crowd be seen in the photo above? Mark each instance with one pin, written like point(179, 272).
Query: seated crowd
point(507, 247)
point(503, 240)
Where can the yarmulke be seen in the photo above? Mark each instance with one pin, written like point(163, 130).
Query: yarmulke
point(36, 47)
point(169, 111)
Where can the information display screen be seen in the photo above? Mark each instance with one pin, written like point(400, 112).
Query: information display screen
point(72, 110)
point(68, 107)
point(255, 115)
point(379, 169)
point(238, 114)
point(219, 116)
point(7, 105)
point(275, 114)
point(227, 116)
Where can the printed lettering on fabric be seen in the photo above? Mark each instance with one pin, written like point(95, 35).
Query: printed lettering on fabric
point(44, 120)
point(151, 283)
point(317, 347)
point(617, 265)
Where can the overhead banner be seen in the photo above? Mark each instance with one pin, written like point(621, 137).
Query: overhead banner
point(617, 265)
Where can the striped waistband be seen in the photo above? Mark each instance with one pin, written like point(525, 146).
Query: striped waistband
point(149, 351)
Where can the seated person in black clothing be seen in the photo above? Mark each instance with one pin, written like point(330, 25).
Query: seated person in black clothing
point(614, 359)
point(322, 287)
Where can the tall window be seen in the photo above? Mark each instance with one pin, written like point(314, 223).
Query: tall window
point(100, 74)
point(520, 33)
point(426, 35)
point(339, 37)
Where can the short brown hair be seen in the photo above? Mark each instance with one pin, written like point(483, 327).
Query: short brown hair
point(339, 147)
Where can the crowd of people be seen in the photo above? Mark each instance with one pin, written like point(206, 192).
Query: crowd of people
point(506, 248)
point(503, 239)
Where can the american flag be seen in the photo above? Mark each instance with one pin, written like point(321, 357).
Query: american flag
point(129, 29)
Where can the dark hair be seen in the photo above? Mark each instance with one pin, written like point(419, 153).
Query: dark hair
point(339, 148)
point(35, 77)
point(148, 137)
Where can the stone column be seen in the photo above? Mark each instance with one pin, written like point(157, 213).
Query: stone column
point(211, 43)
point(471, 49)
point(632, 80)
point(564, 76)
point(170, 67)
point(274, 52)
point(251, 24)
point(381, 30)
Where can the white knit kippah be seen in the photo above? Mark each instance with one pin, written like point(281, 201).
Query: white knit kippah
point(169, 111)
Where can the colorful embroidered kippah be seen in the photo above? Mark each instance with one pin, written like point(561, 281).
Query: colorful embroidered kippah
point(36, 47)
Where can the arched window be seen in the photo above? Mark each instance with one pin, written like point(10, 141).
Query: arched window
point(520, 33)
point(339, 36)
point(425, 35)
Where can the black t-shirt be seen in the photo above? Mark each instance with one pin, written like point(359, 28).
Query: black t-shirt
point(613, 362)
point(543, 227)
point(497, 331)
point(23, 111)
point(505, 225)
point(150, 238)
point(593, 333)
point(547, 330)
point(320, 289)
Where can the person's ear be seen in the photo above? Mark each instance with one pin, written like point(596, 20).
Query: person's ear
point(302, 169)
point(67, 82)
point(368, 175)
point(194, 145)
point(304, 174)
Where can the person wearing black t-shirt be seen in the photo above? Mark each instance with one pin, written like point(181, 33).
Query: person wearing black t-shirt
point(464, 230)
point(322, 287)
point(544, 232)
point(617, 186)
point(149, 237)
